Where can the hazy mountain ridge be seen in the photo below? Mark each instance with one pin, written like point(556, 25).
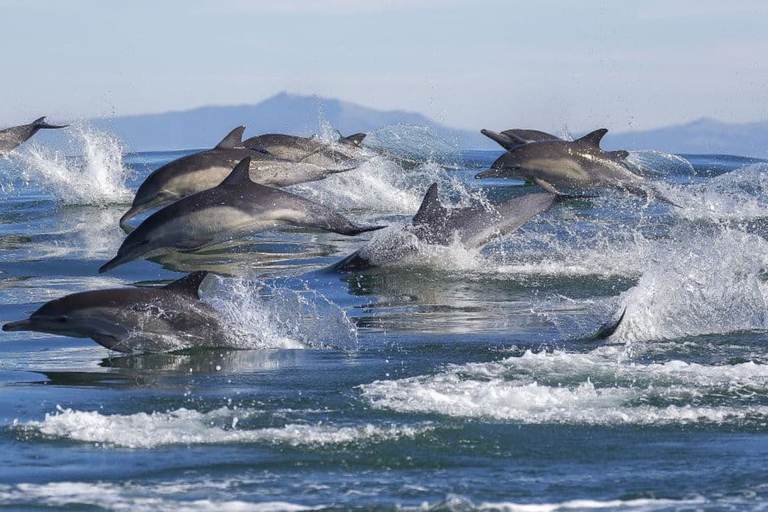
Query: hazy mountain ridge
point(284, 113)
point(703, 136)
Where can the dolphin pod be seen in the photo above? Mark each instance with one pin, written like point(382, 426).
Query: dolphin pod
point(580, 164)
point(225, 193)
point(11, 138)
point(236, 207)
point(130, 319)
point(206, 169)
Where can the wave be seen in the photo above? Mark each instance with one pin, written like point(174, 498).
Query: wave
point(592, 389)
point(129, 496)
point(190, 427)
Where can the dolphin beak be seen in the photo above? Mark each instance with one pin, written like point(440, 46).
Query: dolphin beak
point(134, 211)
point(21, 325)
point(488, 173)
point(114, 262)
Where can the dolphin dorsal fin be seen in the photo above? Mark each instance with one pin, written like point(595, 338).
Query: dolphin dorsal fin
point(594, 137)
point(429, 206)
point(354, 140)
point(234, 139)
point(189, 284)
point(240, 175)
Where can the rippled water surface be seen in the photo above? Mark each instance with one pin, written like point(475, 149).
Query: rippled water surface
point(454, 379)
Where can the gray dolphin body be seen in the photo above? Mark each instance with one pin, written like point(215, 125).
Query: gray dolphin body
point(128, 319)
point(206, 169)
point(307, 150)
point(474, 226)
point(235, 208)
point(578, 164)
point(508, 139)
point(11, 138)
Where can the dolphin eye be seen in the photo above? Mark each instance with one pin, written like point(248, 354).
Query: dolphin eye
point(61, 319)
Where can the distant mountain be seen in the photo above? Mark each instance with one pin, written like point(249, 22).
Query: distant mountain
point(304, 115)
point(704, 136)
point(284, 113)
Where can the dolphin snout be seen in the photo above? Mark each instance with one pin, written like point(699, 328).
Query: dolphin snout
point(21, 325)
point(488, 173)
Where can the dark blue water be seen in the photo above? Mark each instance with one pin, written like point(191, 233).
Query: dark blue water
point(454, 380)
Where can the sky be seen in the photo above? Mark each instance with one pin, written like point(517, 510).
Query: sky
point(548, 65)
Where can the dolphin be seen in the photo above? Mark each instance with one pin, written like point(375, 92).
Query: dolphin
point(206, 169)
point(473, 226)
point(580, 164)
point(12, 137)
point(515, 137)
point(127, 319)
point(302, 149)
point(236, 207)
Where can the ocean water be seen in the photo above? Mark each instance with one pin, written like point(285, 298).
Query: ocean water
point(453, 380)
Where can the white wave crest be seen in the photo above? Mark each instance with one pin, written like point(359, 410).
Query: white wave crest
point(190, 427)
point(591, 389)
point(108, 496)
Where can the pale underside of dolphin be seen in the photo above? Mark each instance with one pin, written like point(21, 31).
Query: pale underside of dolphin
point(346, 151)
point(235, 208)
point(11, 138)
point(133, 319)
point(581, 164)
point(473, 227)
point(206, 169)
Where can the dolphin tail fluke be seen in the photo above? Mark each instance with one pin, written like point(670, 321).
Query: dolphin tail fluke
point(40, 124)
point(607, 329)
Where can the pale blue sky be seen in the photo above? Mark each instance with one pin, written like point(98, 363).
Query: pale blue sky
point(487, 63)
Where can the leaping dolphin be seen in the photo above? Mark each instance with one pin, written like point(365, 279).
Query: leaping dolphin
point(206, 169)
point(10, 138)
point(580, 164)
point(236, 207)
point(307, 150)
point(474, 226)
point(129, 319)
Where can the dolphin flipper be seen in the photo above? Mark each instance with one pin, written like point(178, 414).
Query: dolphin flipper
point(547, 186)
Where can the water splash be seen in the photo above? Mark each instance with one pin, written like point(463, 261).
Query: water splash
point(411, 145)
point(701, 284)
point(261, 316)
point(97, 176)
point(658, 164)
